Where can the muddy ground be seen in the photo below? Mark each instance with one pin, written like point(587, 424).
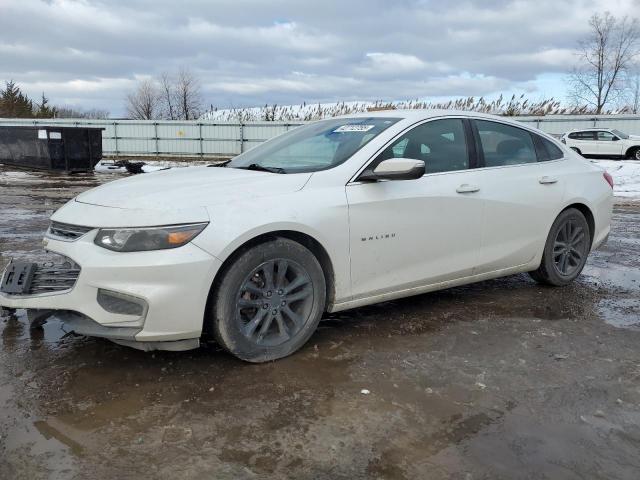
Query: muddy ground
point(502, 379)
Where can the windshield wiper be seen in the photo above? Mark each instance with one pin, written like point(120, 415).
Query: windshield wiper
point(262, 168)
point(224, 163)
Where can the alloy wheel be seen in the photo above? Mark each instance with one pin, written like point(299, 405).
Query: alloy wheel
point(570, 248)
point(274, 302)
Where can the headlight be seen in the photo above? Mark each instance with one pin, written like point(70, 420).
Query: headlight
point(143, 239)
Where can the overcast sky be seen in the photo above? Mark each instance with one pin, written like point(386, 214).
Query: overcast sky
point(90, 53)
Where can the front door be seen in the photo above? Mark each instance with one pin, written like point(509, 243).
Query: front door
point(411, 233)
point(608, 144)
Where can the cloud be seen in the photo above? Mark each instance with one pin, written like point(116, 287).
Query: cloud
point(252, 52)
point(379, 62)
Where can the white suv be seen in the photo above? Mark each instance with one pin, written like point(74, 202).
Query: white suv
point(333, 215)
point(603, 143)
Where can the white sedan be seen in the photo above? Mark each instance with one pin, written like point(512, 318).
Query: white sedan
point(333, 215)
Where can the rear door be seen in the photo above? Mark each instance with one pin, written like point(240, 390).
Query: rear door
point(410, 233)
point(521, 191)
point(608, 144)
point(584, 141)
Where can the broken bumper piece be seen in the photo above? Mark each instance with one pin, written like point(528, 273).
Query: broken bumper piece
point(83, 325)
point(147, 300)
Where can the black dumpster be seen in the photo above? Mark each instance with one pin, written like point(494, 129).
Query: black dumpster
point(65, 149)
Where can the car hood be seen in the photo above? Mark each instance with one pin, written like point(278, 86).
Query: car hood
point(182, 188)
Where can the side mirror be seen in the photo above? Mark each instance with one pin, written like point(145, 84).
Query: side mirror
point(615, 139)
point(395, 169)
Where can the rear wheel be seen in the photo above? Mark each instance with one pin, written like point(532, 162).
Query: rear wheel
point(566, 250)
point(269, 301)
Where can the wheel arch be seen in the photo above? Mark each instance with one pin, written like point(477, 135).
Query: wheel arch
point(588, 214)
point(630, 150)
point(304, 239)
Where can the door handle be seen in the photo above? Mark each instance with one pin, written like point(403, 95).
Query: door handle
point(466, 188)
point(547, 180)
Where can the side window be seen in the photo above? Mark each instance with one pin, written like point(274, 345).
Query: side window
point(505, 145)
point(582, 136)
point(441, 144)
point(554, 152)
point(587, 136)
point(545, 149)
point(605, 136)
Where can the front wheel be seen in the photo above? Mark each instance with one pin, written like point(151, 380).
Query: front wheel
point(566, 250)
point(269, 301)
point(634, 154)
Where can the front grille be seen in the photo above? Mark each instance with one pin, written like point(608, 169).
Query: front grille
point(52, 277)
point(64, 231)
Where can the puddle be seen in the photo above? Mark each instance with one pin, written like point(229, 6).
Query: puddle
point(38, 453)
point(52, 429)
point(17, 330)
point(617, 277)
point(621, 312)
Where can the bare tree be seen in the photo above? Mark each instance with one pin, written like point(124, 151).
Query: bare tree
point(188, 95)
point(72, 112)
point(168, 96)
point(144, 103)
point(605, 56)
point(634, 92)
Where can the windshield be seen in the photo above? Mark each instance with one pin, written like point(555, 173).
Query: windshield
point(618, 133)
point(313, 147)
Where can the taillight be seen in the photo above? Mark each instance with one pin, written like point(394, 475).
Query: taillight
point(607, 176)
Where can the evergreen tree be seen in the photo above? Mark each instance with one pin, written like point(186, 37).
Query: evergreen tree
point(14, 103)
point(44, 110)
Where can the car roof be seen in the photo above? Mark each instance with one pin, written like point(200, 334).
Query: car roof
point(589, 129)
point(422, 114)
point(417, 115)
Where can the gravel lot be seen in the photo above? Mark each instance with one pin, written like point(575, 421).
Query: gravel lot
point(501, 379)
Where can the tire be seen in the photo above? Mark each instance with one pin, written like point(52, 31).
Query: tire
point(562, 260)
point(269, 301)
point(577, 150)
point(634, 154)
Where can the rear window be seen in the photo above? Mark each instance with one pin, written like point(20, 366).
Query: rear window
point(546, 150)
point(504, 144)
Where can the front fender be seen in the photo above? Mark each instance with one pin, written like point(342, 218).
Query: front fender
point(324, 218)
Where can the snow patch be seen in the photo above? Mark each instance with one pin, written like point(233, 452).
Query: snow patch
point(626, 177)
point(107, 166)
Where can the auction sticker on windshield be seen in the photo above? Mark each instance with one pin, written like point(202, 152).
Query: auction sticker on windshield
point(353, 128)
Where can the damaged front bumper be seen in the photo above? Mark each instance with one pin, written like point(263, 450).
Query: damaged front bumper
point(147, 300)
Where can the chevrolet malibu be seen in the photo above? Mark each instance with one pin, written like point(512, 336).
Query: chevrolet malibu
point(333, 215)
